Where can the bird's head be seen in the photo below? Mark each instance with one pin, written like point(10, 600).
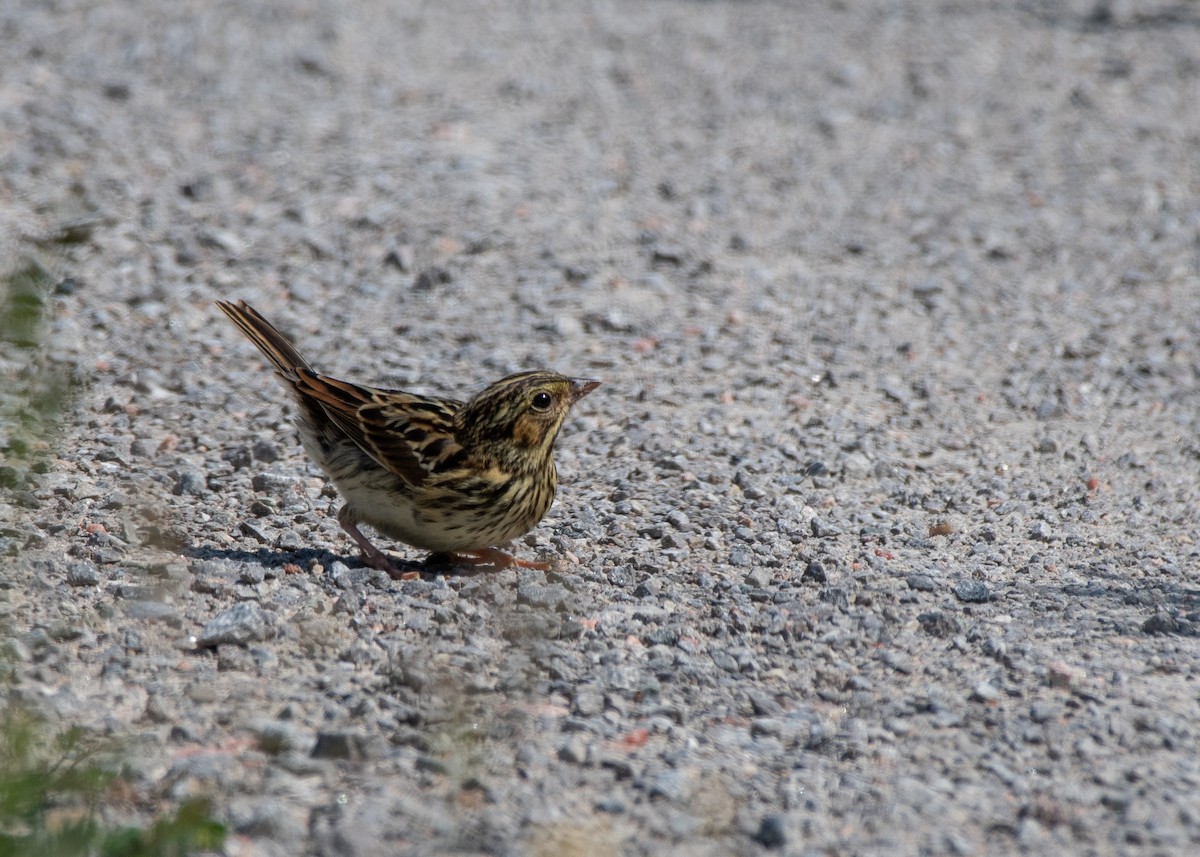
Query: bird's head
point(515, 421)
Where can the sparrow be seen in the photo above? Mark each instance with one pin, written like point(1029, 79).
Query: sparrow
point(447, 476)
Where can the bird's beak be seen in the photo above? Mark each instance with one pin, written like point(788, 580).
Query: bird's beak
point(580, 387)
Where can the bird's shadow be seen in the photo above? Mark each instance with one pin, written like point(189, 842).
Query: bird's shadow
point(305, 557)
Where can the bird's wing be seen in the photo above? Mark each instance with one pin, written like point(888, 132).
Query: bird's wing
point(409, 435)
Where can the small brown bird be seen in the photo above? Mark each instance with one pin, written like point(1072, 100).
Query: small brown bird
point(447, 476)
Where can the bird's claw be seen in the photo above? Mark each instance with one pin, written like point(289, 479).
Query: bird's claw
point(496, 559)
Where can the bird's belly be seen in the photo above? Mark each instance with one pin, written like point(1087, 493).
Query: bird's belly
point(437, 518)
point(396, 516)
point(375, 496)
point(391, 509)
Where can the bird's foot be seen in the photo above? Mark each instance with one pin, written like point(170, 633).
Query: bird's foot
point(380, 562)
point(373, 557)
point(494, 559)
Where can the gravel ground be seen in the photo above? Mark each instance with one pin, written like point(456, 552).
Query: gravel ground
point(879, 538)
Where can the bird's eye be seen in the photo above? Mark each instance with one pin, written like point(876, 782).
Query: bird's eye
point(542, 401)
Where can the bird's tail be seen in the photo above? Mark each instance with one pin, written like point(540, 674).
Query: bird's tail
point(273, 344)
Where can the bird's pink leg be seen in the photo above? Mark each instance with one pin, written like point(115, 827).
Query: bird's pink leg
point(372, 556)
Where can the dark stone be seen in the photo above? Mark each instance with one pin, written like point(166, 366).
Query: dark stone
point(266, 451)
point(972, 591)
point(1166, 623)
point(340, 745)
point(938, 624)
point(814, 572)
point(771, 832)
point(83, 574)
point(432, 277)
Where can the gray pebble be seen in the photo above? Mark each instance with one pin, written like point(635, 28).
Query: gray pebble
point(985, 692)
point(972, 591)
point(921, 582)
point(240, 624)
point(823, 529)
point(837, 596)
point(153, 611)
point(279, 736)
point(588, 701)
point(233, 658)
point(259, 534)
point(770, 726)
point(1044, 712)
point(83, 574)
point(265, 659)
point(290, 540)
point(417, 620)
point(679, 520)
point(275, 483)
point(1041, 531)
point(622, 766)
point(726, 661)
point(345, 577)
point(252, 574)
point(269, 819)
point(349, 602)
point(651, 587)
point(1047, 410)
point(530, 758)
point(764, 704)
point(543, 596)
point(567, 326)
point(671, 784)
point(760, 577)
point(239, 457)
point(1168, 623)
point(610, 805)
point(190, 483)
point(574, 750)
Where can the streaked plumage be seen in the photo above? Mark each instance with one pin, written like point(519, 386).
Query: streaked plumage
point(439, 474)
